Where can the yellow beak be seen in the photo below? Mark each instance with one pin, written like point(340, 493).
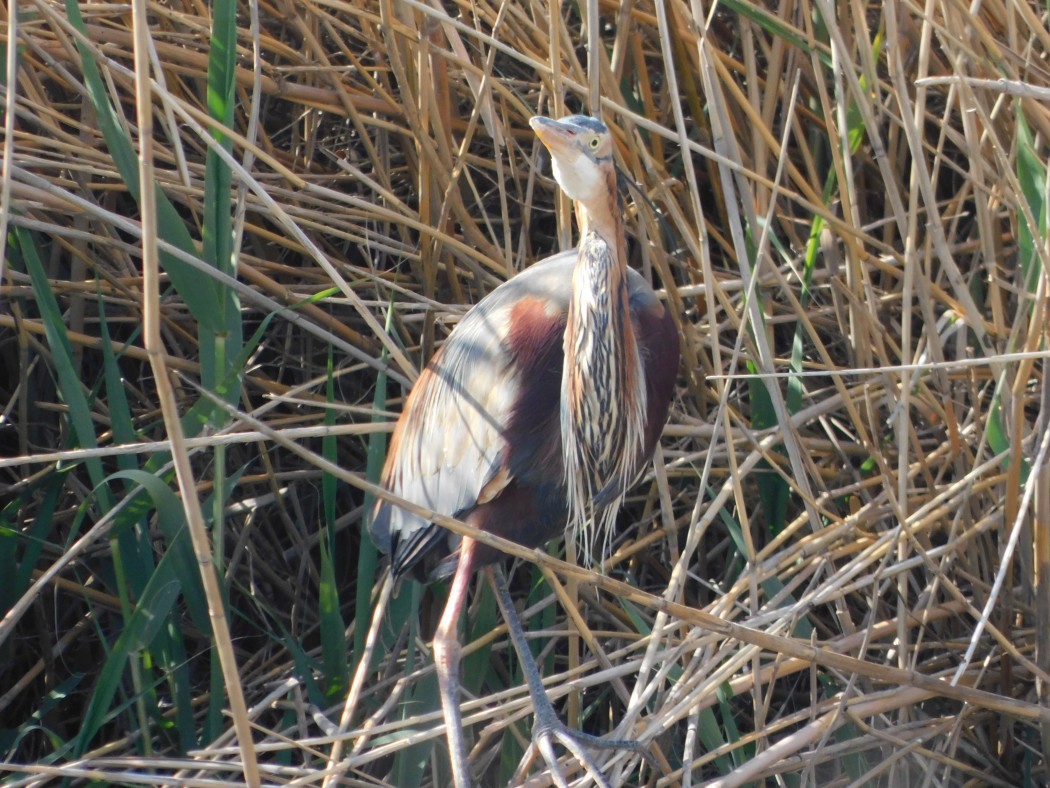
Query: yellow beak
point(556, 136)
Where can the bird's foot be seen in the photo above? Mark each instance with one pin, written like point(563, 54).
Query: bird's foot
point(549, 729)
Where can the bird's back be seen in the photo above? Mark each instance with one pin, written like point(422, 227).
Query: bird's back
point(479, 436)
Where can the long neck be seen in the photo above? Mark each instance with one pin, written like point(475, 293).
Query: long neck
point(604, 215)
point(603, 393)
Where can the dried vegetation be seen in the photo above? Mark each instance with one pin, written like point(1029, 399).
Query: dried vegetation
point(836, 572)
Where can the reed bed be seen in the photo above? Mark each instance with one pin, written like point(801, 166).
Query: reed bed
point(836, 571)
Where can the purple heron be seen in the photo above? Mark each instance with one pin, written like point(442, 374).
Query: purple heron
point(539, 411)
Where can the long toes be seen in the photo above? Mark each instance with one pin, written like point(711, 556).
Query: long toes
point(545, 745)
point(559, 730)
point(545, 733)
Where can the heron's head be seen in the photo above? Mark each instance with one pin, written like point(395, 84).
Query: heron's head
point(581, 151)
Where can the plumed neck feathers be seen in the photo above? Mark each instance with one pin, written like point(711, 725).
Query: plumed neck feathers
point(603, 399)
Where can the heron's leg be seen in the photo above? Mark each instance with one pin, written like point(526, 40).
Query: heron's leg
point(548, 726)
point(446, 660)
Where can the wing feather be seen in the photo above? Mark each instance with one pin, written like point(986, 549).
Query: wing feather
point(449, 448)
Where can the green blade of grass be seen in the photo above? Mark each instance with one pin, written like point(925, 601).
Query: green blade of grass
point(20, 549)
point(1031, 174)
point(217, 229)
point(134, 544)
point(330, 618)
point(200, 300)
point(132, 549)
point(148, 618)
point(774, 26)
point(178, 677)
point(410, 762)
point(121, 421)
point(69, 383)
point(34, 724)
point(710, 734)
point(368, 556)
point(475, 666)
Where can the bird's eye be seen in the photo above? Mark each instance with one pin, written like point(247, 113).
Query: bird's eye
point(594, 142)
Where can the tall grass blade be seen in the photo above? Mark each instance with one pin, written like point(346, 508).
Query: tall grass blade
point(207, 310)
point(333, 629)
point(368, 556)
point(217, 231)
point(148, 619)
point(82, 427)
point(1031, 174)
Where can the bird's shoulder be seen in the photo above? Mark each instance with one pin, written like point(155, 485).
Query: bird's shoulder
point(497, 340)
